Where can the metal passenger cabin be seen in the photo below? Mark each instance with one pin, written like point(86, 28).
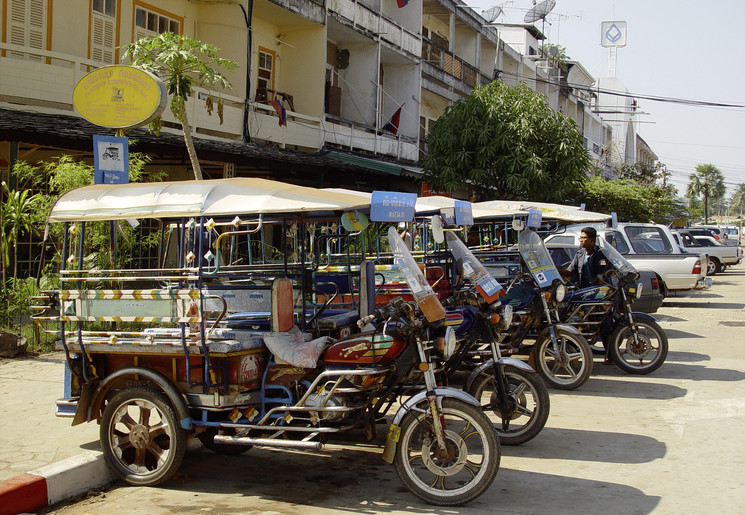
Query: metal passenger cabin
point(198, 319)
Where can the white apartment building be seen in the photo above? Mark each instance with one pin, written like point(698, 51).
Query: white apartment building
point(343, 69)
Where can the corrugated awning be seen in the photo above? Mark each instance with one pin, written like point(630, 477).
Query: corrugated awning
point(364, 162)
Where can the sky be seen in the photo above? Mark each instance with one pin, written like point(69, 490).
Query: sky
point(683, 50)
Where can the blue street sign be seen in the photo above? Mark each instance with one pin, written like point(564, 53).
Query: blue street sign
point(535, 216)
point(463, 212)
point(392, 206)
point(110, 160)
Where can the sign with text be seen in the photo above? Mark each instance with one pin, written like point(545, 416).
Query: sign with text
point(392, 206)
point(119, 97)
point(463, 212)
point(110, 160)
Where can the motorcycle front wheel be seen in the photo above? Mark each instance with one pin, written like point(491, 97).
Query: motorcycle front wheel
point(472, 461)
point(528, 404)
point(639, 357)
point(568, 369)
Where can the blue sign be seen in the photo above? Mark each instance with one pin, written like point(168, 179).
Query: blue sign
point(463, 213)
point(110, 160)
point(392, 206)
point(614, 220)
point(582, 206)
point(535, 216)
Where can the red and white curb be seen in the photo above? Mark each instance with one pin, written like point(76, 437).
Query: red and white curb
point(53, 483)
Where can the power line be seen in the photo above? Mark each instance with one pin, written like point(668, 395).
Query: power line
point(655, 98)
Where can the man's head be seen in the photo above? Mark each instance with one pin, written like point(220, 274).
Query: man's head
point(587, 238)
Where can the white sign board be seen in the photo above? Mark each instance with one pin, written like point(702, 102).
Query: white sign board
point(613, 33)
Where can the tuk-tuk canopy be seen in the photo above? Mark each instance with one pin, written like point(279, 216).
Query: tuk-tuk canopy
point(238, 196)
point(551, 212)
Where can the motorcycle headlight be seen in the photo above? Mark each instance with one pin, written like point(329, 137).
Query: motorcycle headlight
point(506, 316)
point(446, 344)
point(560, 292)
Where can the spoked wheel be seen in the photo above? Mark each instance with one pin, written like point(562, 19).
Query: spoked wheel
point(141, 438)
point(640, 356)
point(471, 461)
point(528, 404)
point(569, 368)
point(207, 439)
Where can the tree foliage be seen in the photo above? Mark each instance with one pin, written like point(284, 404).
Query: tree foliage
point(706, 182)
point(182, 63)
point(507, 142)
point(737, 201)
point(630, 200)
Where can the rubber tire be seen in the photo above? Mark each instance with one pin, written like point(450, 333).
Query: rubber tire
point(714, 266)
point(225, 449)
point(173, 435)
point(518, 380)
point(623, 334)
point(477, 421)
point(580, 346)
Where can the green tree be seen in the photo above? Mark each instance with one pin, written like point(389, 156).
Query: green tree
point(630, 200)
point(737, 200)
point(508, 143)
point(706, 182)
point(182, 63)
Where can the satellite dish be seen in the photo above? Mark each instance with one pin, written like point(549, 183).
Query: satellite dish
point(540, 11)
point(491, 14)
point(553, 51)
point(437, 230)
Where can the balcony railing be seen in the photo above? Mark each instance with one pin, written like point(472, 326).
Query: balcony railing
point(449, 63)
point(354, 136)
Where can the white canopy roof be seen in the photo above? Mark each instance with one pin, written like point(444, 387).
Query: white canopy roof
point(555, 212)
point(238, 196)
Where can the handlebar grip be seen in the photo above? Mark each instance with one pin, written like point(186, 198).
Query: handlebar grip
point(362, 322)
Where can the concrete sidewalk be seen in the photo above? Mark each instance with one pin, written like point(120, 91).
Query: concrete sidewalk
point(43, 459)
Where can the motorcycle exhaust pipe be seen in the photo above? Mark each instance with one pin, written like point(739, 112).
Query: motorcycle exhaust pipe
point(267, 442)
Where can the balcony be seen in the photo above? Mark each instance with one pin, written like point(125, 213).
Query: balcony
point(448, 63)
point(376, 25)
point(348, 135)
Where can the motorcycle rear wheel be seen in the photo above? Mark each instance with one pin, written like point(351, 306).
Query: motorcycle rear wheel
point(476, 454)
point(528, 396)
point(141, 437)
point(571, 368)
point(643, 357)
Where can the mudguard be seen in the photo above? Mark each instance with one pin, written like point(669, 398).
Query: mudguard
point(394, 430)
point(558, 327)
point(440, 391)
point(489, 364)
point(177, 400)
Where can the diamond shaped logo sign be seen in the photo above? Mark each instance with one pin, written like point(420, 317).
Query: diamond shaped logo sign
point(613, 33)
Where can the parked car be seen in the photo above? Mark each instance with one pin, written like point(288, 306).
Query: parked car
point(720, 256)
point(651, 297)
point(733, 235)
point(647, 247)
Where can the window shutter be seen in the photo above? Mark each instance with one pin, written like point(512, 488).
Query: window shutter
point(102, 38)
point(27, 26)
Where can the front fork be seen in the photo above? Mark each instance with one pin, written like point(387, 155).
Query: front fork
point(560, 355)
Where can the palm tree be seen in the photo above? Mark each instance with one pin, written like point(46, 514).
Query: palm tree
point(181, 63)
point(737, 200)
point(707, 182)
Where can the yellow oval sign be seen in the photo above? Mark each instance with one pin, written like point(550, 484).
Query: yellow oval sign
point(120, 97)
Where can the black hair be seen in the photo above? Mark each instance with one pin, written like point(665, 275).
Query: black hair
point(590, 232)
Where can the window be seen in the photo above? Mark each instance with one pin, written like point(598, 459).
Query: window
point(648, 240)
point(27, 26)
point(149, 21)
point(266, 69)
point(103, 25)
point(107, 7)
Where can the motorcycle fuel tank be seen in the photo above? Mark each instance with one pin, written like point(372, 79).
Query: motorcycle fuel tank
point(590, 294)
point(366, 349)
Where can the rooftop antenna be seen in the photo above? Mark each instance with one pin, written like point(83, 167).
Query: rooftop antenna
point(539, 12)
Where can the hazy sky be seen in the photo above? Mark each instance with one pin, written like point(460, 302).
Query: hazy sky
point(683, 49)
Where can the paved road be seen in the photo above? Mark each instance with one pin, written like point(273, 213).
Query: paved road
point(671, 442)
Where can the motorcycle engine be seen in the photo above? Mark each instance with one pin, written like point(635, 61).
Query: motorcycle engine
point(323, 400)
